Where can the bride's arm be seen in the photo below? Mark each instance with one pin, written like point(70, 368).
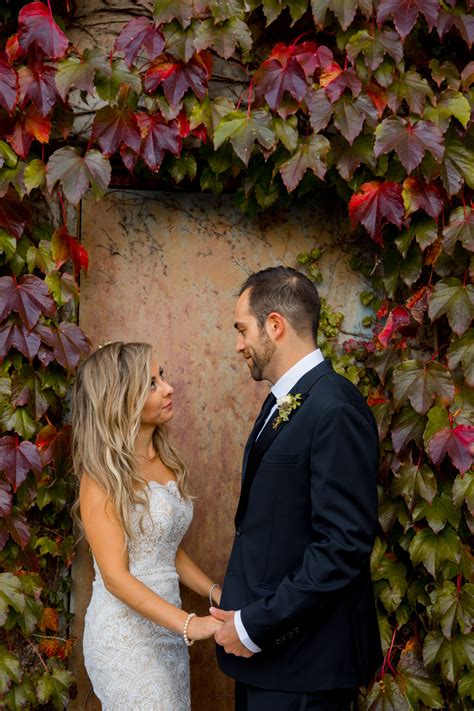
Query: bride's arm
point(194, 578)
point(106, 538)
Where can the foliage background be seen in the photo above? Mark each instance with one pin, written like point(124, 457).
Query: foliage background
point(366, 104)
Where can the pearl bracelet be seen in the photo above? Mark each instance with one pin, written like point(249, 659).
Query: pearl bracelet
point(214, 586)
point(188, 641)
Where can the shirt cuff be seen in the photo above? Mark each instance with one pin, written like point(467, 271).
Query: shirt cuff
point(242, 632)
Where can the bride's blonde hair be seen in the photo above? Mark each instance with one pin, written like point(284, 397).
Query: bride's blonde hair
point(109, 393)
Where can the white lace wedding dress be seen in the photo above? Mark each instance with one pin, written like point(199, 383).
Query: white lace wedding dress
point(134, 664)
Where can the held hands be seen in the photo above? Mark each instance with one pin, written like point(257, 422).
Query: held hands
point(203, 627)
point(227, 636)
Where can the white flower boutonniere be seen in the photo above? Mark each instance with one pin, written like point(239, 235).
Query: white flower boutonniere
point(286, 405)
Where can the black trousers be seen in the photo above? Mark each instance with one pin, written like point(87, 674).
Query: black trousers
point(251, 698)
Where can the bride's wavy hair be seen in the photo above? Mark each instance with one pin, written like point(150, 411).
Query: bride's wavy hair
point(109, 393)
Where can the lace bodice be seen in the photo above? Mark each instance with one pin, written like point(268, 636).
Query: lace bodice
point(133, 663)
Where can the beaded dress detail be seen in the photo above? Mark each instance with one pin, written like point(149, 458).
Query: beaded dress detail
point(134, 664)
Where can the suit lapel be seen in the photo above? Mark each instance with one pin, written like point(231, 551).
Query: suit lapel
point(255, 450)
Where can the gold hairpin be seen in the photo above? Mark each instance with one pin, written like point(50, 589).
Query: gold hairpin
point(102, 345)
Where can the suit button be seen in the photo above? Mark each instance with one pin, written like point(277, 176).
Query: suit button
point(238, 531)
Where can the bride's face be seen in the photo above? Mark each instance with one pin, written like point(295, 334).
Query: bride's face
point(158, 407)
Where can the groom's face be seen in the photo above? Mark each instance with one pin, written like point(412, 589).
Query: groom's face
point(252, 342)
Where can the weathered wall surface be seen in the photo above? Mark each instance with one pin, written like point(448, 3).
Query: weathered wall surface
point(164, 268)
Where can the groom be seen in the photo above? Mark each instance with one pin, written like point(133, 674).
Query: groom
point(300, 628)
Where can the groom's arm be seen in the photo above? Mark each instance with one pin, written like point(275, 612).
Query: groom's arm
point(344, 463)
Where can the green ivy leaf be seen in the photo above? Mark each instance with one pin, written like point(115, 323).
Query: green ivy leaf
point(420, 383)
point(391, 582)
point(108, 83)
point(461, 227)
point(407, 426)
point(168, 10)
point(243, 131)
point(223, 38)
point(466, 685)
point(456, 300)
point(7, 244)
point(34, 175)
point(54, 687)
point(452, 655)
point(461, 351)
point(457, 166)
point(432, 550)
point(179, 41)
point(21, 696)
point(453, 607)
point(414, 482)
point(463, 491)
point(21, 422)
point(11, 595)
point(225, 9)
point(307, 157)
point(9, 670)
point(75, 172)
point(374, 45)
point(417, 682)
point(286, 131)
point(63, 287)
point(438, 513)
point(386, 695)
point(182, 167)
point(409, 87)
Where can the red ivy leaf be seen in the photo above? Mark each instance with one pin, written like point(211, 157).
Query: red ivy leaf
point(158, 137)
point(457, 443)
point(336, 80)
point(114, 126)
point(397, 318)
point(129, 157)
point(405, 12)
point(14, 215)
point(8, 86)
point(68, 342)
point(425, 196)
point(376, 204)
point(184, 124)
point(36, 24)
point(37, 83)
point(76, 172)
point(410, 141)
point(13, 49)
point(16, 335)
point(177, 78)
point(53, 444)
point(64, 246)
point(5, 500)
point(273, 79)
point(30, 125)
point(378, 97)
point(29, 297)
point(17, 458)
point(18, 528)
point(138, 33)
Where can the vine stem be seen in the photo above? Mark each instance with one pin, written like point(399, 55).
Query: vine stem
point(387, 660)
point(49, 8)
point(459, 583)
point(35, 650)
point(63, 207)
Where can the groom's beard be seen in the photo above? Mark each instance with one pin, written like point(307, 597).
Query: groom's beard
point(261, 357)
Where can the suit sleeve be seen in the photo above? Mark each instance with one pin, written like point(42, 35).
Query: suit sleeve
point(344, 464)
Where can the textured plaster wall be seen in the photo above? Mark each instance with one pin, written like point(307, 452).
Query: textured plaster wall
point(164, 268)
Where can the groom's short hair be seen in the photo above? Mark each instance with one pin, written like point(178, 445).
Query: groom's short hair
point(289, 293)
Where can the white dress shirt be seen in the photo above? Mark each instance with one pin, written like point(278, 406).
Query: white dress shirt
point(281, 388)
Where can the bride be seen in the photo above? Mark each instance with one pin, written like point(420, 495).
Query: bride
point(135, 509)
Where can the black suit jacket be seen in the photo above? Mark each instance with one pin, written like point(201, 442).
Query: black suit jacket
point(305, 526)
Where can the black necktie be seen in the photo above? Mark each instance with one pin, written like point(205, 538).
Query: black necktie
point(263, 414)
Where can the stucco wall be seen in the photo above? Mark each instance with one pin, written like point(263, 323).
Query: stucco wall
point(164, 268)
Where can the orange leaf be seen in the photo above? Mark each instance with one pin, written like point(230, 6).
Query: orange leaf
point(37, 125)
point(65, 650)
point(330, 74)
point(49, 646)
point(49, 620)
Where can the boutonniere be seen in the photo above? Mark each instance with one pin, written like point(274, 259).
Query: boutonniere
point(286, 405)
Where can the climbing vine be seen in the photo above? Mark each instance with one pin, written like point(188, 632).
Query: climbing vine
point(366, 104)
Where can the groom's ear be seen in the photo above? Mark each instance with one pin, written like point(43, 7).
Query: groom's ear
point(275, 325)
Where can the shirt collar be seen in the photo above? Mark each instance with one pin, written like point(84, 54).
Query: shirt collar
point(283, 386)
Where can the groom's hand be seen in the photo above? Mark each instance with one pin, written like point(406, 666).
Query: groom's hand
point(227, 635)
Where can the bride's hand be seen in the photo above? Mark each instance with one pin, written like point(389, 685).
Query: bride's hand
point(203, 627)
